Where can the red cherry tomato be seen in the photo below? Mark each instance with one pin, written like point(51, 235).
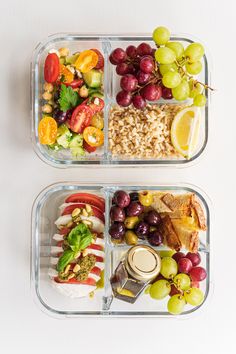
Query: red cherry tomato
point(51, 68)
point(74, 84)
point(100, 63)
point(98, 106)
point(88, 147)
point(87, 198)
point(81, 118)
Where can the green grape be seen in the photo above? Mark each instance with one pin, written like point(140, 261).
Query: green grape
point(160, 289)
point(195, 90)
point(167, 253)
point(169, 267)
point(182, 281)
point(177, 47)
point(164, 68)
point(171, 79)
point(181, 92)
point(199, 100)
point(194, 296)
point(161, 35)
point(194, 52)
point(176, 304)
point(194, 68)
point(165, 55)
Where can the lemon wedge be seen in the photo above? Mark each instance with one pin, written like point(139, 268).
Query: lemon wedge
point(185, 130)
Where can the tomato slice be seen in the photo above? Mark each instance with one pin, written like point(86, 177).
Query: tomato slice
point(81, 118)
point(66, 74)
point(87, 198)
point(96, 211)
point(89, 281)
point(88, 147)
point(100, 63)
point(86, 61)
point(74, 84)
point(47, 131)
point(51, 68)
point(65, 231)
point(93, 246)
point(96, 104)
point(93, 136)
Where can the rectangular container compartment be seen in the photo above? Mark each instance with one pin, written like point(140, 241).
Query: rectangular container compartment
point(45, 212)
point(111, 85)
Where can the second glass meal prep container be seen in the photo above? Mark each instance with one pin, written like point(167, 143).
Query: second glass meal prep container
point(45, 212)
point(111, 86)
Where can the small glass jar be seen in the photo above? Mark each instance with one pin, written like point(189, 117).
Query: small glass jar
point(140, 266)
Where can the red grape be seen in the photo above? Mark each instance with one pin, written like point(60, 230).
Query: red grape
point(123, 98)
point(142, 77)
point(128, 83)
point(117, 214)
point(151, 92)
point(166, 93)
point(144, 49)
point(118, 55)
point(177, 256)
point(198, 274)
point(131, 51)
point(174, 290)
point(122, 69)
point(146, 64)
point(112, 60)
point(184, 265)
point(139, 102)
point(153, 52)
point(195, 258)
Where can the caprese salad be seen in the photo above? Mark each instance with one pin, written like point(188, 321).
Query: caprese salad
point(77, 254)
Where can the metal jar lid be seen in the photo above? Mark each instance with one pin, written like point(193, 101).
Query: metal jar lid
point(143, 262)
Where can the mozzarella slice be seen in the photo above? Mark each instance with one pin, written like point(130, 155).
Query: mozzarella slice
point(58, 237)
point(63, 220)
point(74, 290)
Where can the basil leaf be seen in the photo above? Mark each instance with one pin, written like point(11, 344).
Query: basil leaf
point(86, 239)
point(66, 258)
point(80, 237)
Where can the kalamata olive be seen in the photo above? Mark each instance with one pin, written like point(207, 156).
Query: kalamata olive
point(134, 209)
point(60, 116)
point(133, 196)
point(56, 95)
point(131, 221)
point(153, 218)
point(155, 238)
point(117, 230)
point(131, 238)
point(142, 229)
point(121, 198)
point(117, 214)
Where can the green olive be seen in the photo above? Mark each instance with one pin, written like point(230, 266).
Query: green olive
point(131, 238)
point(131, 221)
point(145, 198)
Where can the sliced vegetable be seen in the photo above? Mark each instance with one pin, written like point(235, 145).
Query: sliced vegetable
point(86, 61)
point(96, 211)
point(77, 151)
point(87, 198)
point(63, 136)
point(51, 68)
point(100, 63)
point(66, 74)
point(72, 59)
point(93, 136)
point(74, 84)
point(47, 131)
point(97, 121)
point(88, 147)
point(89, 281)
point(81, 118)
point(96, 104)
point(93, 78)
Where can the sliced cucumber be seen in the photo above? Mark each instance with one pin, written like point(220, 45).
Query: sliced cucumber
point(72, 59)
point(76, 141)
point(93, 78)
point(63, 136)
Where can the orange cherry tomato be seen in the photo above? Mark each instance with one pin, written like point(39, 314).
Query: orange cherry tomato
point(93, 136)
point(86, 61)
point(68, 77)
point(47, 131)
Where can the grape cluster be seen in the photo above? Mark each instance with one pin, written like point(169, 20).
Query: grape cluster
point(179, 278)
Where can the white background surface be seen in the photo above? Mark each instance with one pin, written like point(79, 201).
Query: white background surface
point(24, 328)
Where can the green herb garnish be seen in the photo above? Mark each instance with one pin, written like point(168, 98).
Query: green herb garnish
point(68, 98)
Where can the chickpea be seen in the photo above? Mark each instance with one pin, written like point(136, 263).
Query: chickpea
point(63, 52)
point(83, 92)
point(47, 96)
point(47, 108)
point(48, 87)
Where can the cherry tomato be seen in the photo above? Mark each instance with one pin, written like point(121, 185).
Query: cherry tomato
point(47, 131)
point(74, 84)
point(51, 68)
point(88, 147)
point(100, 63)
point(86, 61)
point(97, 121)
point(81, 118)
point(87, 198)
point(96, 104)
point(66, 74)
point(93, 136)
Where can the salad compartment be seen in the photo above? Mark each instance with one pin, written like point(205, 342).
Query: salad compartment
point(102, 303)
point(104, 155)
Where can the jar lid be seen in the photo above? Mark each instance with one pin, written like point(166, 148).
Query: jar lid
point(143, 262)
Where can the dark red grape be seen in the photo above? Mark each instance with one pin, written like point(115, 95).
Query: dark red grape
point(124, 98)
point(134, 209)
point(184, 265)
point(155, 238)
point(131, 51)
point(146, 64)
point(122, 69)
point(133, 196)
point(139, 102)
point(121, 198)
point(177, 256)
point(117, 230)
point(142, 77)
point(195, 258)
point(112, 61)
point(198, 274)
point(166, 93)
point(117, 214)
point(142, 229)
point(151, 92)
point(144, 49)
point(118, 56)
point(153, 218)
point(60, 116)
point(174, 290)
point(153, 52)
point(128, 83)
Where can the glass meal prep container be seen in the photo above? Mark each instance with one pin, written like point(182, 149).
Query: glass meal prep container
point(103, 303)
point(103, 155)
